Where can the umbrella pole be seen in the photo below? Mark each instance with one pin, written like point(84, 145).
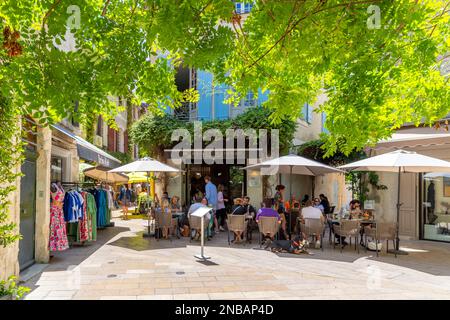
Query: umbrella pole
point(290, 198)
point(397, 239)
point(147, 209)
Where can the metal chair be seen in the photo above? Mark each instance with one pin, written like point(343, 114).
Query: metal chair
point(312, 228)
point(386, 231)
point(236, 223)
point(349, 229)
point(268, 227)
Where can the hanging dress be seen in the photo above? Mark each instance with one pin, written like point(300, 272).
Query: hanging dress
point(58, 233)
point(91, 211)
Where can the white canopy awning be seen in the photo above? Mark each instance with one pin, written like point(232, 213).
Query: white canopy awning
point(293, 164)
point(399, 160)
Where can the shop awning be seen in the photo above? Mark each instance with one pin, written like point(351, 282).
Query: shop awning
point(401, 140)
point(90, 152)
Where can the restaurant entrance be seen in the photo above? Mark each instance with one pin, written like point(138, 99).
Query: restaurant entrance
point(232, 177)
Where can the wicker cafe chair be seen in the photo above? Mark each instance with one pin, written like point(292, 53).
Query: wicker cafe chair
point(236, 222)
point(382, 231)
point(349, 229)
point(312, 228)
point(163, 220)
point(195, 223)
point(268, 227)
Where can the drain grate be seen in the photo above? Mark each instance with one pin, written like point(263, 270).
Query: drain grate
point(180, 272)
point(112, 276)
point(111, 262)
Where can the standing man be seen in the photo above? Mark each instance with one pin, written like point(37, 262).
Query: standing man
point(211, 196)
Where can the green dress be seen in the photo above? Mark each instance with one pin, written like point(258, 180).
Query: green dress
point(92, 212)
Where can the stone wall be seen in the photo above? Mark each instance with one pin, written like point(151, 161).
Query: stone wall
point(9, 263)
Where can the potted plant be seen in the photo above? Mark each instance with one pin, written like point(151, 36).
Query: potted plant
point(9, 290)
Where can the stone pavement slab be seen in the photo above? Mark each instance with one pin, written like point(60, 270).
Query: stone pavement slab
point(125, 266)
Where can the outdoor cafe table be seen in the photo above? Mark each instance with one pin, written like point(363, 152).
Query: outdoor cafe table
point(362, 222)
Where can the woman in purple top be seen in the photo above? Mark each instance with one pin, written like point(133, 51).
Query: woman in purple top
point(267, 211)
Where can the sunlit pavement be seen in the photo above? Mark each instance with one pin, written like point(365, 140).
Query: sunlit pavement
point(124, 265)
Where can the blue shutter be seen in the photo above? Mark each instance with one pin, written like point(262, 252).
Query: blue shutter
point(324, 118)
point(304, 115)
point(238, 7)
point(204, 86)
point(262, 97)
point(310, 114)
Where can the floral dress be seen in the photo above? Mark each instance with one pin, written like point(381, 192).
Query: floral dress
point(58, 234)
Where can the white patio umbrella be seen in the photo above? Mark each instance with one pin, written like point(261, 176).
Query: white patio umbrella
point(399, 161)
point(293, 164)
point(147, 165)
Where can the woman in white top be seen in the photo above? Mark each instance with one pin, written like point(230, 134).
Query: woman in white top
point(221, 211)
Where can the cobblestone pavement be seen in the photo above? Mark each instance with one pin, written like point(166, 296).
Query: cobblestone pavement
point(124, 265)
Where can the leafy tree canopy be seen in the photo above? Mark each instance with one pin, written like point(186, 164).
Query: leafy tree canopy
point(379, 71)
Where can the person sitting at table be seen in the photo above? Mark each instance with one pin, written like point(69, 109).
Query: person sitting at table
point(175, 204)
point(304, 199)
point(268, 211)
point(310, 212)
point(318, 205)
point(238, 207)
point(355, 209)
point(249, 209)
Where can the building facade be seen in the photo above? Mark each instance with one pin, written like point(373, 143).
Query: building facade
point(425, 197)
point(52, 154)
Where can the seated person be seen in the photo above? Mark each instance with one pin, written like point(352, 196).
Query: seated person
point(175, 204)
point(318, 205)
point(249, 209)
point(310, 212)
point(199, 203)
point(250, 212)
point(238, 207)
point(355, 209)
point(267, 211)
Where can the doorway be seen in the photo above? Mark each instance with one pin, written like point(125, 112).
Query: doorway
point(27, 211)
point(233, 179)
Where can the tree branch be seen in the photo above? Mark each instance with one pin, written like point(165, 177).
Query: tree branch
point(295, 24)
point(105, 7)
point(49, 12)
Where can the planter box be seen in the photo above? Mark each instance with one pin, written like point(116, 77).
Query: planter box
point(6, 298)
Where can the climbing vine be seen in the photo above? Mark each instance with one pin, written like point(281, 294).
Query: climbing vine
point(153, 132)
point(10, 157)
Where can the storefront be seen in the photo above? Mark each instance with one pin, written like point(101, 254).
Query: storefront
point(425, 197)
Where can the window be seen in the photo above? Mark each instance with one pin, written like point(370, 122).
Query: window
point(238, 7)
point(249, 99)
point(435, 206)
point(307, 113)
point(100, 126)
point(243, 7)
point(56, 169)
